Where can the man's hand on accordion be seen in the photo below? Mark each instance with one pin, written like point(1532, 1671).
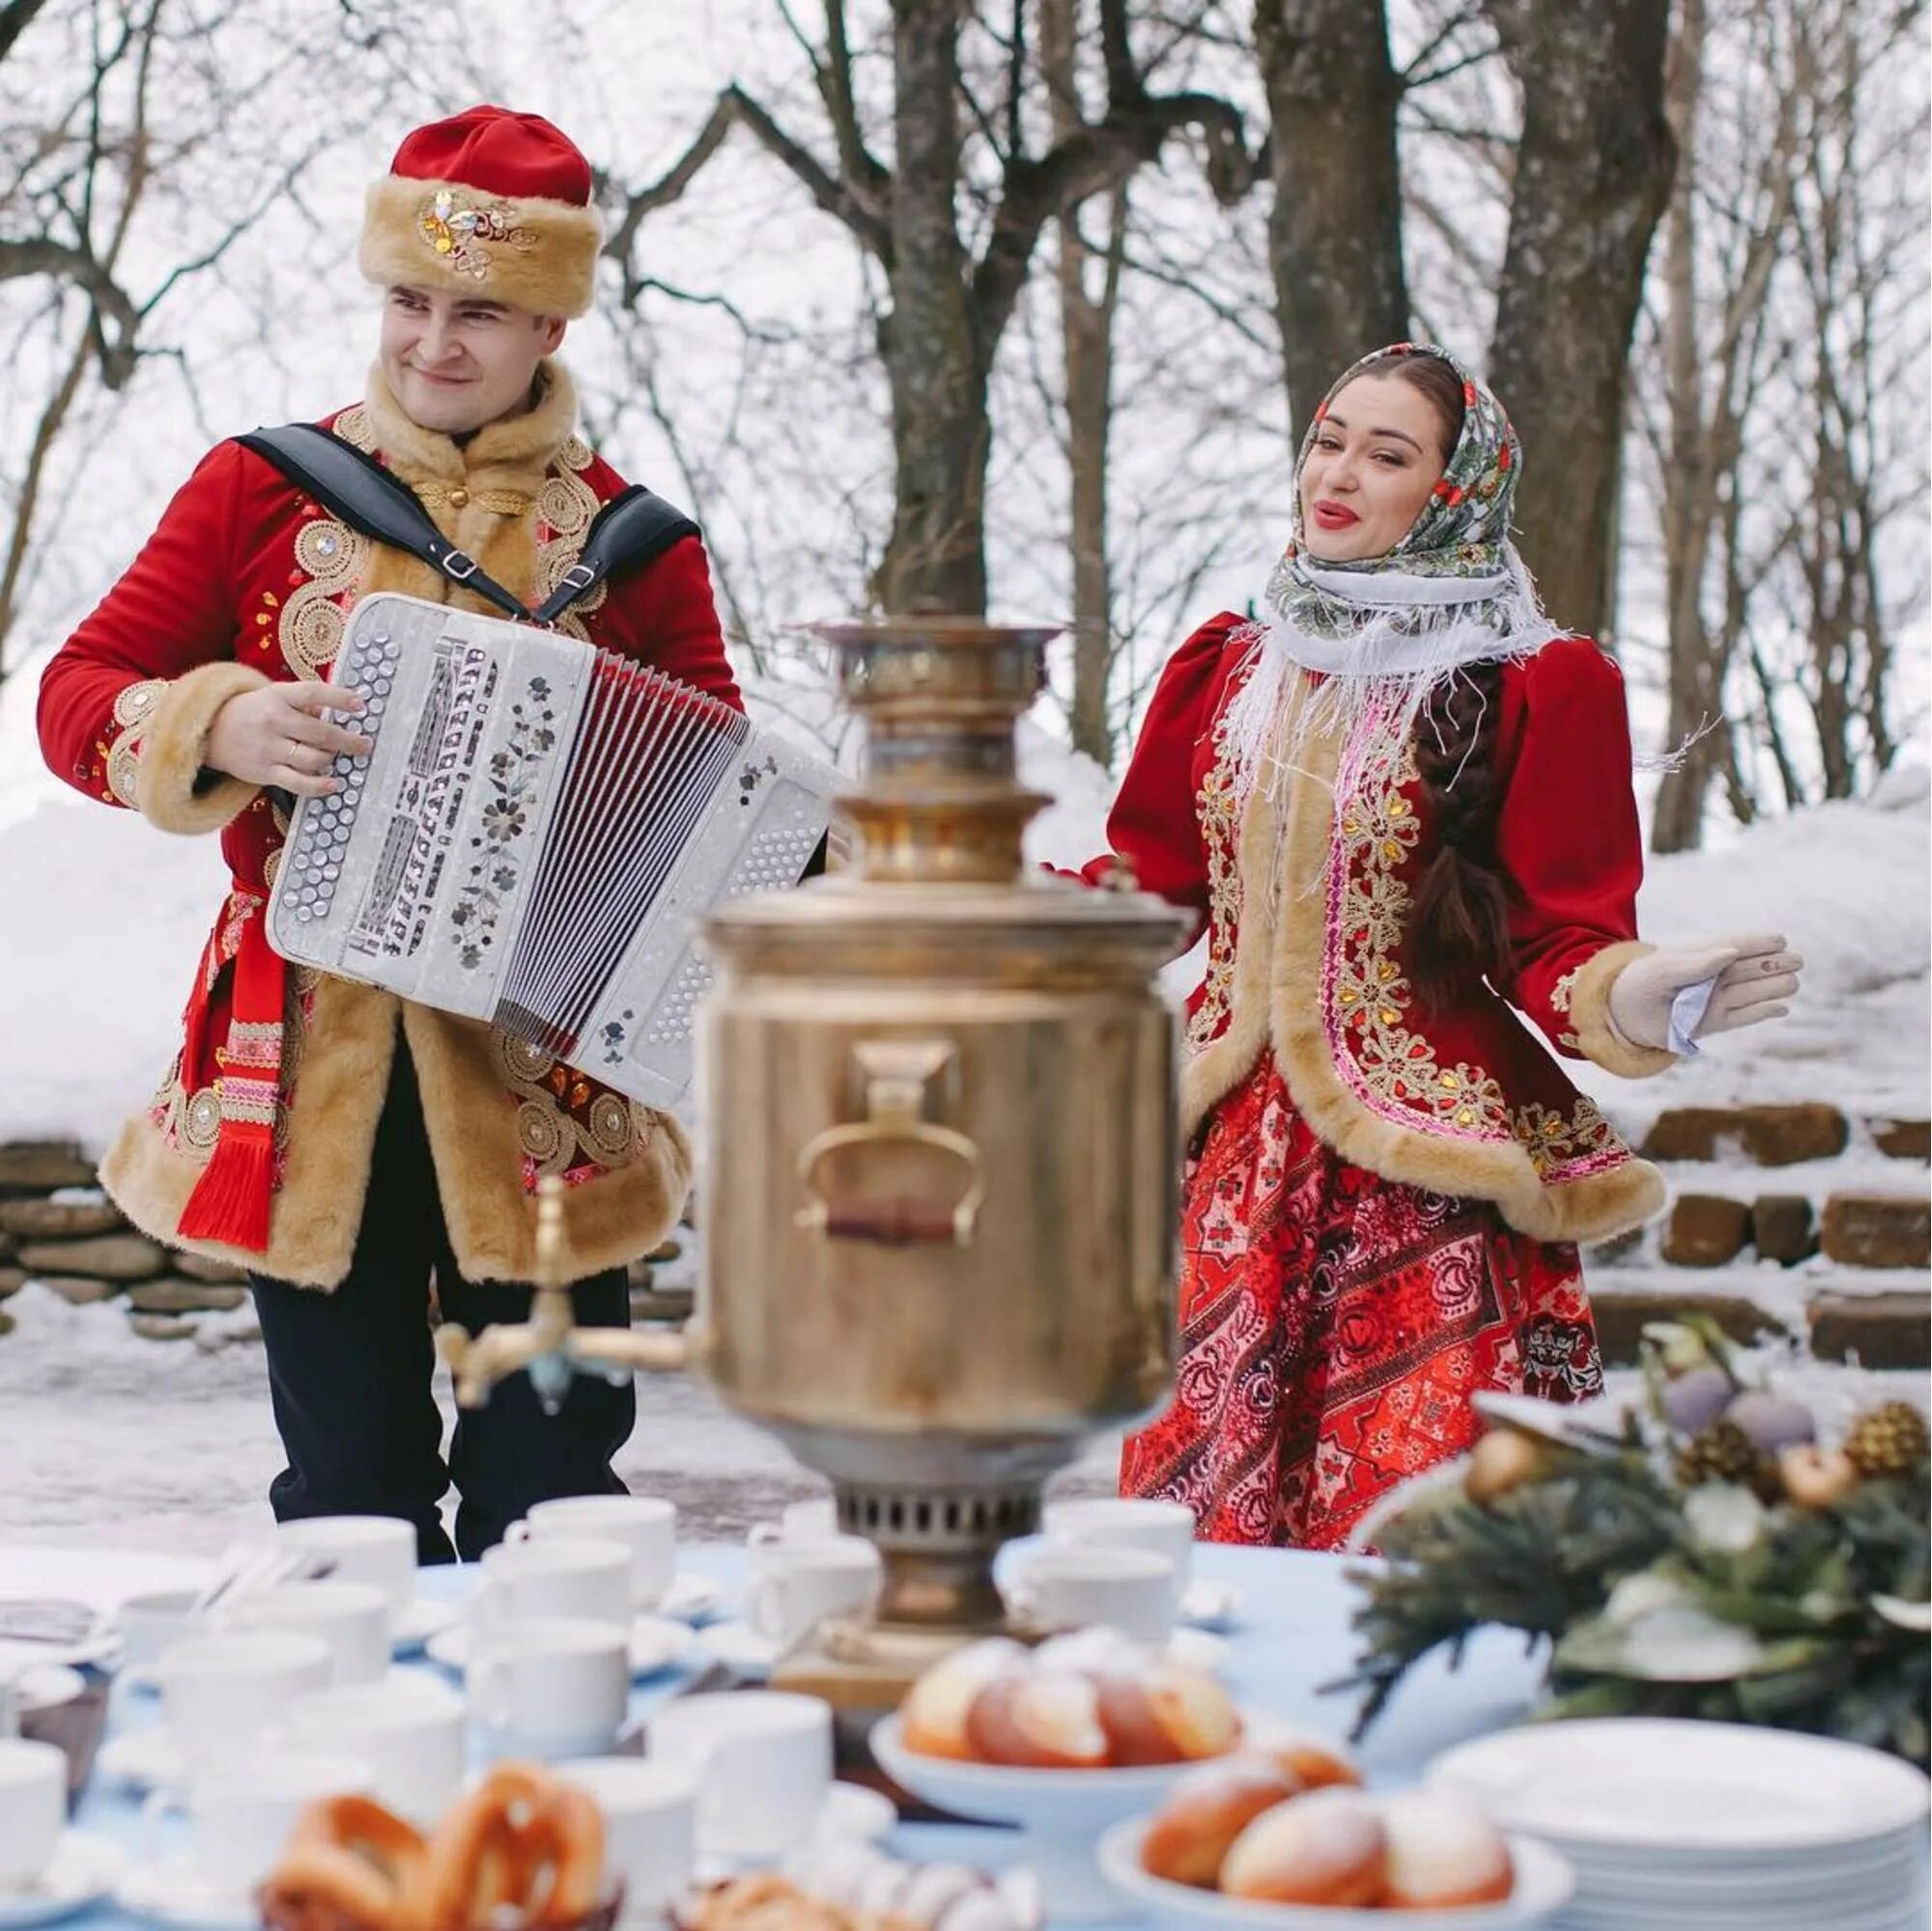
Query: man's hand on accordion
point(278, 736)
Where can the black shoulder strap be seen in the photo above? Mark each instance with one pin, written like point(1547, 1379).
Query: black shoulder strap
point(632, 527)
point(368, 498)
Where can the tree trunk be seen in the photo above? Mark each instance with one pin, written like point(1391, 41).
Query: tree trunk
point(1592, 172)
point(1679, 821)
point(1087, 341)
point(936, 557)
point(1335, 229)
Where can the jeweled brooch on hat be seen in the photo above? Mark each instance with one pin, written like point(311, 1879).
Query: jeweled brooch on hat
point(457, 228)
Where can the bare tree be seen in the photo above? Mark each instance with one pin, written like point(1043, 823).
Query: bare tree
point(1335, 229)
point(1592, 170)
point(951, 295)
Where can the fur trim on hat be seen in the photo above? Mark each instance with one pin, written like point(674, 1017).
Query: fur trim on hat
point(534, 254)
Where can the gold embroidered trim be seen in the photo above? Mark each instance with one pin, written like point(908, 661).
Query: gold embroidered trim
point(550, 1097)
point(1551, 1141)
point(1564, 990)
point(1374, 837)
point(499, 503)
point(331, 556)
point(565, 508)
point(1219, 813)
point(133, 706)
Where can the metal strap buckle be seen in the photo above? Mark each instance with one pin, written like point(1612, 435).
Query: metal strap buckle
point(460, 565)
point(578, 577)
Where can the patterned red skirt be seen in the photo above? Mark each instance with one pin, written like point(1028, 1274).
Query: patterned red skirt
point(1333, 1326)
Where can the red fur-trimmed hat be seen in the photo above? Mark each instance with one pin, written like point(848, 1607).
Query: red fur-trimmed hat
point(490, 203)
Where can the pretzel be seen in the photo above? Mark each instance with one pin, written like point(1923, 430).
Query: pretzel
point(521, 1838)
point(351, 1865)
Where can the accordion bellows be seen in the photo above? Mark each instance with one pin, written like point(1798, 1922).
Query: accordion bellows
point(536, 837)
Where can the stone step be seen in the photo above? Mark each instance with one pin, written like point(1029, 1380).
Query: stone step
point(1855, 1230)
point(1885, 1330)
point(1881, 1315)
point(1781, 1136)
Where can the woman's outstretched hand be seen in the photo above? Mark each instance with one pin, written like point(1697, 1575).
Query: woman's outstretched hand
point(1755, 978)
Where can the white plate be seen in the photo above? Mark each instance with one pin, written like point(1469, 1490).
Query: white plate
point(1543, 1885)
point(85, 1870)
point(425, 1617)
point(142, 1760)
point(656, 1643)
point(1683, 1789)
point(850, 1815)
point(1906, 1916)
point(691, 1599)
point(1061, 1811)
point(1210, 1606)
point(45, 1686)
point(175, 1891)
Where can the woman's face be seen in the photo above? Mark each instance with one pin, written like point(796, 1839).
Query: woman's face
point(1376, 455)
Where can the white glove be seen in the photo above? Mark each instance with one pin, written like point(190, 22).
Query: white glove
point(1672, 998)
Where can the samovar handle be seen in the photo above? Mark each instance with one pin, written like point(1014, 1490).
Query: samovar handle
point(899, 1073)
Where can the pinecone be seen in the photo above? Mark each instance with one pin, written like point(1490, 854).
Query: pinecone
point(1892, 1439)
point(1724, 1452)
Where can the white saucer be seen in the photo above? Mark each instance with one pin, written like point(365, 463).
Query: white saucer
point(851, 1814)
point(656, 1643)
point(421, 1620)
point(739, 1647)
point(689, 1599)
point(854, 1814)
point(85, 1870)
point(1193, 1646)
point(46, 1686)
point(173, 1892)
point(1210, 1606)
point(142, 1760)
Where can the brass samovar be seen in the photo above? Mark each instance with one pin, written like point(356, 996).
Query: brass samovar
point(939, 1160)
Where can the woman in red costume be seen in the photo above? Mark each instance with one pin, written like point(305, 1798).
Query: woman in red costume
point(1400, 803)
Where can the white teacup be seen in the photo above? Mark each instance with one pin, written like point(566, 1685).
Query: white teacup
point(549, 1686)
point(813, 1520)
point(763, 1762)
point(243, 1808)
point(796, 1584)
point(650, 1827)
point(148, 1623)
point(1078, 1584)
point(1135, 1521)
point(554, 1576)
point(410, 1726)
point(33, 1809)
point(646, 1525)
point(353, 1618)
point(222, 1695)
point(361, 1548)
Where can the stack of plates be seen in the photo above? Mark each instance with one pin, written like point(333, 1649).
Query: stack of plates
point(1709, 1827)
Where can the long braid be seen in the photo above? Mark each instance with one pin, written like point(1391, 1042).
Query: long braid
point(1459, 924)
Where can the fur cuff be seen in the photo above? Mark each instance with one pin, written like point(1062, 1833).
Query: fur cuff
point(171, 786)
point(532, 253)
point(1596, 1038)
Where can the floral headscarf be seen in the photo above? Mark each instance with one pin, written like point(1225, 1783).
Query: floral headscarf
point(1386, 633)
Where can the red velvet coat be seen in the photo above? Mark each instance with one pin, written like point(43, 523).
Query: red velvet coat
point(246, 580)
point(1308, 947)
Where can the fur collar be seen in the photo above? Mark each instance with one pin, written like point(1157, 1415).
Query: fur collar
point(513, 452)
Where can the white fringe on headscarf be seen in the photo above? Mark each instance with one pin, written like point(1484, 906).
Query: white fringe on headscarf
point(1415, 636)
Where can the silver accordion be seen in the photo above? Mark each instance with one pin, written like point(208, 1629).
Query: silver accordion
point(536, 836)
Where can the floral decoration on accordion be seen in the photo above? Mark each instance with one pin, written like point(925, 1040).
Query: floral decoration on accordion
point(457, 229)
point(514, 777)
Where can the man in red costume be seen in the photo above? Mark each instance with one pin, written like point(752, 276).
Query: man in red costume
point(345, 1144)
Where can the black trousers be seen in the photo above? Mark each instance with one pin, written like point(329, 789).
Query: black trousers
point(349, 1373)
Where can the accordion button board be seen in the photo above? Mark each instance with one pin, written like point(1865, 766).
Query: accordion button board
point(536, 836)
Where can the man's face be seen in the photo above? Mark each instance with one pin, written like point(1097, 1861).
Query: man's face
point(456, 362)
